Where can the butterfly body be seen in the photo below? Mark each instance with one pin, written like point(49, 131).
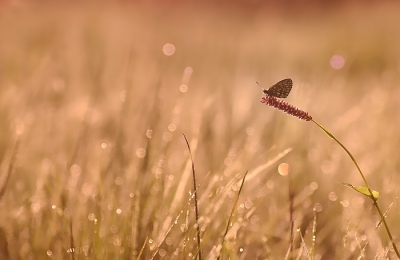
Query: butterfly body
point(280, 89)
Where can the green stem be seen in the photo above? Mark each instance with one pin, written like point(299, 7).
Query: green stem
point(375, 202)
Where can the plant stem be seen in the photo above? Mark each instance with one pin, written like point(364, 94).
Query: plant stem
point(196, 202)
point(375, 200)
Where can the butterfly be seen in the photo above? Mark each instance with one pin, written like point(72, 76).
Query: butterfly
point(280, 89)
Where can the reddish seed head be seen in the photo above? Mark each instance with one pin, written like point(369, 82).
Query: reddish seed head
point(285, 107)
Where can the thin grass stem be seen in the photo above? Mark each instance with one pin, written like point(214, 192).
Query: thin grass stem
point(195, 200)
point(303, 115)
point(348, 152)
point(10, 170)
point(374, 199)
point(71, 240)
point(142, 249)
point(303, 245)
point(174, 223)
point(313, 238)
point(233, 211)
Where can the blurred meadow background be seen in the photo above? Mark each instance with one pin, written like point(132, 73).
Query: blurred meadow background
point(95, 98)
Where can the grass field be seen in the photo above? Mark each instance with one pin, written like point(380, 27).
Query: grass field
point(95, 99)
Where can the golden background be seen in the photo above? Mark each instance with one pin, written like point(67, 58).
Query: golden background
point(95, 97)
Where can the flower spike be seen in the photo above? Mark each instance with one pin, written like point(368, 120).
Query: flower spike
point(285, 107)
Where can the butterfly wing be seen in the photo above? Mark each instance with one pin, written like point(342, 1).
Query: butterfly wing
point(280, 89)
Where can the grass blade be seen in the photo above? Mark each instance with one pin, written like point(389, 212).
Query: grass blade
point(195, 200)
point(233, 210)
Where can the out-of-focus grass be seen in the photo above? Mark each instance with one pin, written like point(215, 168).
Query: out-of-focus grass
point(102, 111)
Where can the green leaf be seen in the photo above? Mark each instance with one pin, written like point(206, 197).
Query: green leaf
point(363, 190)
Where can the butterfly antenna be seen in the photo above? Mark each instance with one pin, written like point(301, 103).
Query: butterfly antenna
point(260, 86)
